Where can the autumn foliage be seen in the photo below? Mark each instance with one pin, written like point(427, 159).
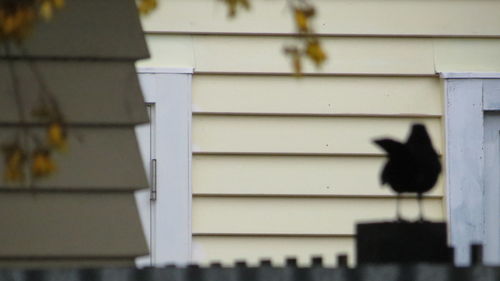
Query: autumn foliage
point(308, 44)
point(28, 155)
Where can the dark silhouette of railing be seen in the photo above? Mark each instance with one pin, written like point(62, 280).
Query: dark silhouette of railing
point(267, 272)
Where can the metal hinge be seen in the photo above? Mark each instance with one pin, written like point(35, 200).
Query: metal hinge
point(153, 180)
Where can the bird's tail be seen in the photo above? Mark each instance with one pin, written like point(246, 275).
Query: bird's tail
point(392, 147)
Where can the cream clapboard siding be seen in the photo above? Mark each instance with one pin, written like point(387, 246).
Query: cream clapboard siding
point(285, 166)
point(317, 95)
point(384, 56)
point(356, 17)
point(295, 216)
point(294, 176)
point(299, 134)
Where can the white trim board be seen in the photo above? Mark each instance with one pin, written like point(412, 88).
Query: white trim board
point(165, 70)
point(468, 99)
point(464, 165)
point(170, 94)
point(492, 184)
point(469, 75)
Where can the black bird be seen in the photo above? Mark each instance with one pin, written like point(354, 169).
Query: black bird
point(412, 167)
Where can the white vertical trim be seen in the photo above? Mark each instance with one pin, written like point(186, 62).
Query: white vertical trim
point(491, 94)
point(492, 187)
point(171, 95)
point(173, 113)
point(152, 180)
point(189, 116)
point(464, 164)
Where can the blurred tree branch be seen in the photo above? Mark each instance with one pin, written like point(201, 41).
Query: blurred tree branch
point(307, 44)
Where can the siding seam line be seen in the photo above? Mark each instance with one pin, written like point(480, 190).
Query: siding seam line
point(324, 35)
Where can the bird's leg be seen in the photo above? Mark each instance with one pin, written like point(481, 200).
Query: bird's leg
point(420, 209)
point(398, 211)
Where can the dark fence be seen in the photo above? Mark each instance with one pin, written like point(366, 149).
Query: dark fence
point(266, 272)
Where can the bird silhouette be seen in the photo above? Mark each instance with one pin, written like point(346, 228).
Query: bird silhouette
point(412, 167)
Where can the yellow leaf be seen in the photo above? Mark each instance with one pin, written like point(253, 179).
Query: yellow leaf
point(56, 135)
point(46, 10)
point(58, 3)
point(14, 161)
point(301, 20)
point(42, 163)
point(315, 52)
point(146, 6)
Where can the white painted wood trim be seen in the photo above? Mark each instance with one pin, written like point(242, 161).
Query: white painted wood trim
point(469, 75)
point(188, 107)
point(472, 119)
point(491, 95)
point(171, 95)
point(492, 188)
point(174, 158)
point(165, 70)
point(464, 164)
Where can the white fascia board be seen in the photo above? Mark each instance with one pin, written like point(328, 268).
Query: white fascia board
point(469, 75)
point(165, 70)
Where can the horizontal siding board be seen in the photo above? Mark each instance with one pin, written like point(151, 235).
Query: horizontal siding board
point(252, 249)
point(171, 51)
point(96, 158)
point(399, 18)
point(317, 95)
point(467, 55)
point(87, 92)
point(362, 56)
point(346, 55)
point(90, 29)
point(36, 224)
point(290, 176)
point(298, 216)
point(301, 134)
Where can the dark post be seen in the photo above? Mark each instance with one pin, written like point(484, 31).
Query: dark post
point(476, 254)
point(342, 260)
point(240, 263)
point(216, 265)
point(402, 242)
point(291, 262)
point(265, 262)
point(316, 261)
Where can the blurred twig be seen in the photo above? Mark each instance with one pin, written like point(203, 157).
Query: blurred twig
point(307, 45)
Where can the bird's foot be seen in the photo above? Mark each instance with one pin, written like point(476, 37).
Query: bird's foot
point(401, 220)
point(421, 220)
